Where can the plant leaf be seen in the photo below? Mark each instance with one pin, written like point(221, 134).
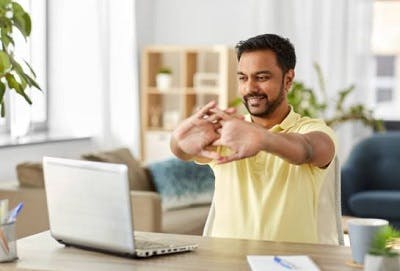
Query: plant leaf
point(22, 20)
point(32, 82)
point(235, 102)
point(17, 8)
point(30, 68)
point(21, 73)
point(321, 81)
point(380, 244)
point(342, 96)
point(3, 110)
point(13, 83)
point(2, 91)
point(29, 80)
point(7, 40)
point(4, 62)
point(4, 3)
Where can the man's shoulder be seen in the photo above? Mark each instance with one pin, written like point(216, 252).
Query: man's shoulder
point(305, 122)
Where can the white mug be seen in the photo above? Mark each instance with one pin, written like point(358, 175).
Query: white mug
point(361, 234)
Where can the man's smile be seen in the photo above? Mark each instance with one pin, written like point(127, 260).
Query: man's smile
point(255, 100)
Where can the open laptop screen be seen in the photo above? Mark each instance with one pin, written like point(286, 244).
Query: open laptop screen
point(89, 204)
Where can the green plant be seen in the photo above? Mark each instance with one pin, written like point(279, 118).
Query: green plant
point(12, 73)
point(165, 70)
point(304, 101)
point(384, 241)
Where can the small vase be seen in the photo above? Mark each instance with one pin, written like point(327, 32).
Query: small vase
point(163, 81)
point(381, 263)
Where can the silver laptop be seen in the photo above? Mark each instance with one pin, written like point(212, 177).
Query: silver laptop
point(89, 207)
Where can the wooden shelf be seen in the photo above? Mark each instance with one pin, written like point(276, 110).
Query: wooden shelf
point(166, 108)
point(154, 90)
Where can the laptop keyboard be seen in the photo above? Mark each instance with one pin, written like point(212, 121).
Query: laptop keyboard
point(144, 244)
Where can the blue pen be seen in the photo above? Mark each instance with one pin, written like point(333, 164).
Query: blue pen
point(12, 216)
point(284, 263)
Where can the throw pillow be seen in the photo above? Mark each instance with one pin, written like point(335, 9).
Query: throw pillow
point(181, 183)
point(30, 174)
point(138, 178)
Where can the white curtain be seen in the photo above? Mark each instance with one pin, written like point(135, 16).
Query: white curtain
point(92, 71)
point(120, 87)
point(336, 35)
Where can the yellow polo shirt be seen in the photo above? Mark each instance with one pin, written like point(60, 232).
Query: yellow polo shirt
point(266, 198)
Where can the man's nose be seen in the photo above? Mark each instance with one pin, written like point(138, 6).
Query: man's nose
point(251, 86)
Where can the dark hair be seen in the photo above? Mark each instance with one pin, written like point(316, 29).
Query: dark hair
point(283, 49)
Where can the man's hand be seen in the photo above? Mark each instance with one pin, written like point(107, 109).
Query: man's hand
point(195, 133)
point(242, 137)
point(246, 139)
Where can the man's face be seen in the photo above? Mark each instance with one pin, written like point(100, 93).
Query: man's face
point(261, 82)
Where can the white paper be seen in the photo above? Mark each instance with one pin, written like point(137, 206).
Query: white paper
point(267, 263)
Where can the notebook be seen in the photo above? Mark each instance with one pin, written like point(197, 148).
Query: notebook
point(281, 263)
point(89, 207)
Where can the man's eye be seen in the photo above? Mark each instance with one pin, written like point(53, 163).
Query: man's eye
point(262, 78)
point(241, 78)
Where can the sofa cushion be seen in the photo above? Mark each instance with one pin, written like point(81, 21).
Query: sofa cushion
point(189, 220)
point(376, 204)
point(138, 177)
point(30, 174)
point(181, 183)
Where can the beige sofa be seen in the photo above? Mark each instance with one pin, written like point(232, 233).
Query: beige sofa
point(149, 214)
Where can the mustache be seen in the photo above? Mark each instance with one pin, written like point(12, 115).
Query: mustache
point(251, 95)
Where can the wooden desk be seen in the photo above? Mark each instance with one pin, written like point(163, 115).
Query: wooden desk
point(42, 252)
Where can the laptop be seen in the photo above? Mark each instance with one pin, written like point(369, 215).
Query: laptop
point(89, 207)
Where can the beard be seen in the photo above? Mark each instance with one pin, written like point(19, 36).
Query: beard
point(259, 105)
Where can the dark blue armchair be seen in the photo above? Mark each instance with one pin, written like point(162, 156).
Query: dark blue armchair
point(371, 178)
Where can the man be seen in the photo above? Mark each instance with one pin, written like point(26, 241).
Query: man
point(268, 167)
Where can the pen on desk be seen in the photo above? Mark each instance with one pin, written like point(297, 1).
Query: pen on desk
point(284, 263)
point(12, 216)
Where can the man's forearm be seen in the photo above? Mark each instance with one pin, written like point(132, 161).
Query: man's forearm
point(315, 148)
point(178, 151)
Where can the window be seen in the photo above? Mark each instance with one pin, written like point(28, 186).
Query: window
point(33, 51)
point(386, 50)
point(385, 79)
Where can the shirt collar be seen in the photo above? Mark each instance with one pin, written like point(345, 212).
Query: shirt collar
point(286, 123)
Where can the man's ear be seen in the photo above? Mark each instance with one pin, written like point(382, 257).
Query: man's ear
point(289, 77)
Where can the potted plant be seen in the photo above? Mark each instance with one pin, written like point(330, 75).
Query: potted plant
point(164, 78)
point(384, 254)
point(14, 75)
point(305, 102)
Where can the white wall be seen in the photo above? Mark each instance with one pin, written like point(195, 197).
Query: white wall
point(204, 22)
point(196, 22)
point(12, 156)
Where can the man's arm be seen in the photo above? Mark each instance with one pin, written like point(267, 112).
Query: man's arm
point(315, 148)
point(246, 139)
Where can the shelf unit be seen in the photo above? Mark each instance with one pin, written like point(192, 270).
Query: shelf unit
point(163, 108)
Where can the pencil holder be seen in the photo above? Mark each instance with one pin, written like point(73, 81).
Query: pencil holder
point(8, 243)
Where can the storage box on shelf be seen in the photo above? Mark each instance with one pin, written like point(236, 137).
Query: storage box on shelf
point(198, 74)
